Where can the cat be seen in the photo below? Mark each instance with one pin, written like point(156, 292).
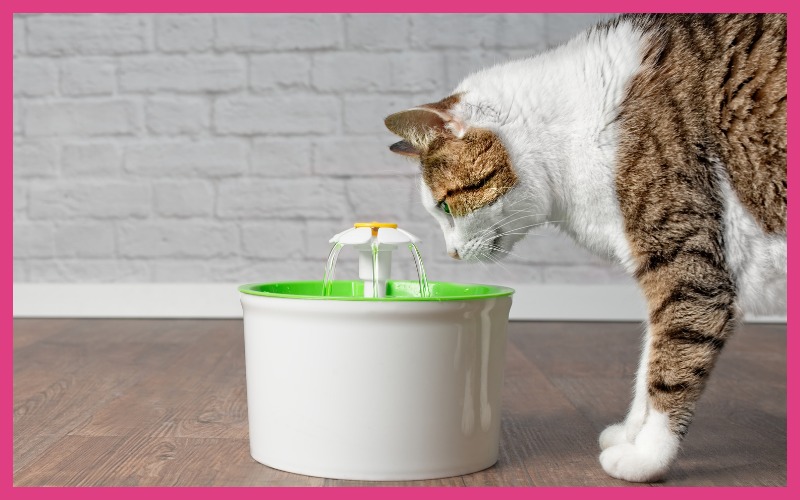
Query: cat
point(656, 140)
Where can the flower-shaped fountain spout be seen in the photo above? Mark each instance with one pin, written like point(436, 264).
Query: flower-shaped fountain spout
point(375, 242)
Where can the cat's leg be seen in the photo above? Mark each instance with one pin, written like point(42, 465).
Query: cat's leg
point(626, 431)
point(692, 313)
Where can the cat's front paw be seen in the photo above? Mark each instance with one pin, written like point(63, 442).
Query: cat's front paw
point(613, 435)
point(648, 458)
point(627, 462)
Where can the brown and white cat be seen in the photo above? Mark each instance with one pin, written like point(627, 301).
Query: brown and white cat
point(657, 140)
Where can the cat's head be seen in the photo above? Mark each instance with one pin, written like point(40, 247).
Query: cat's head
point(468, 182)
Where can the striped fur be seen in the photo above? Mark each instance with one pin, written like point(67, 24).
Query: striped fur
point(656, 140)
point(709, 105)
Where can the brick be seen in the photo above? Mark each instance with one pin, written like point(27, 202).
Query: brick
point(85, 239)
point(578, 274)
point(337, 71)
point(262, 271)
point(191, 73)
point(281, 157)
point(89, 160)
point(318, 233)
point(186, 198)
point(88, 271)
point(20, 200)
point(562, 27)
point(197, 270)
point(177, 239)
point(415, 72)
point(107, 200)
point(17, 124)
point(35, 159)
point(377, 31)
point(359, 156)
point(280, 72)
point(418, 212)
point(177, 115)
point(57, 34)
point(365, 114)
point(255, 199)
point(81, 118)
point(80, 77)
point(20, 271)
point(19, 35)
point(459, 65)
point(288, 114)
point(166, 270)
point(210, 157)
point(377, 199)
point(273, 239)
point(184, 32)
point(271, 32)
point(34, 77)
point(526, 31)
point(452, 31)
point(33, 239)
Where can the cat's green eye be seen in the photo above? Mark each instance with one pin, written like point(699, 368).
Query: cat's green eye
point(444, 207)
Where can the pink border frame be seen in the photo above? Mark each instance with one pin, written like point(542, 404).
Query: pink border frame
point(9, 7)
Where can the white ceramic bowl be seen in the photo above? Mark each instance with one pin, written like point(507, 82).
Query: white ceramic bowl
point(398, 388)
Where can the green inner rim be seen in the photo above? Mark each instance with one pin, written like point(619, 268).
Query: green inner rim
point(395, 291)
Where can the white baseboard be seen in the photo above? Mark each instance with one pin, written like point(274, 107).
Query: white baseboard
point(186, 300)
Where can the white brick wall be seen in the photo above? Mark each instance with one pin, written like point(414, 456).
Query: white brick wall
point(231, 147)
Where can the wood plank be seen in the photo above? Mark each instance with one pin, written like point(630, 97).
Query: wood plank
point(64, 386)
point(162, 402)
point(27, 332)
point(199, 392)
point(556, 444)
point(739, 434)
point(141, 460)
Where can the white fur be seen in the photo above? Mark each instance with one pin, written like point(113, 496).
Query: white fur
point(627, 431)
point(757, 260)
point(555, 115)
point(648, 456)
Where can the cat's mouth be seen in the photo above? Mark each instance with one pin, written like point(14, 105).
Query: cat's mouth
point(486, 250)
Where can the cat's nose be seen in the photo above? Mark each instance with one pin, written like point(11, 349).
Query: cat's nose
point(454, 254)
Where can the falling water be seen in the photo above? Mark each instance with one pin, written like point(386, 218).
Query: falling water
point(424, 291)
point(375, 270)
point(330, 269)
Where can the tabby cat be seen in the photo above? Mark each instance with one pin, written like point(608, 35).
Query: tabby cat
point(656, 140)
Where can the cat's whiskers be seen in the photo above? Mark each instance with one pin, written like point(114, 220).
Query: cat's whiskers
point(501, 221)
point(512, 214)
point(519, 230)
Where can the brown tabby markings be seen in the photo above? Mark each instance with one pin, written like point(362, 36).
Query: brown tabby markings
point(713, 92)
point(467, 173)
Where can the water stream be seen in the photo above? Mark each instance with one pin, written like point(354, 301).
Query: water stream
point(330, 269)
point(375, 270)
point(423, 278)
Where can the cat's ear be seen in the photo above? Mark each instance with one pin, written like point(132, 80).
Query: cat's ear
point(418, 126)
point(404, 148)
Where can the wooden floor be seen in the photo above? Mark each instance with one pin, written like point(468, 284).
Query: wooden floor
point(162, 402)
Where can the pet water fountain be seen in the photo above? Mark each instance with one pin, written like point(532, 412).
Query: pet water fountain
point(375, 379)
